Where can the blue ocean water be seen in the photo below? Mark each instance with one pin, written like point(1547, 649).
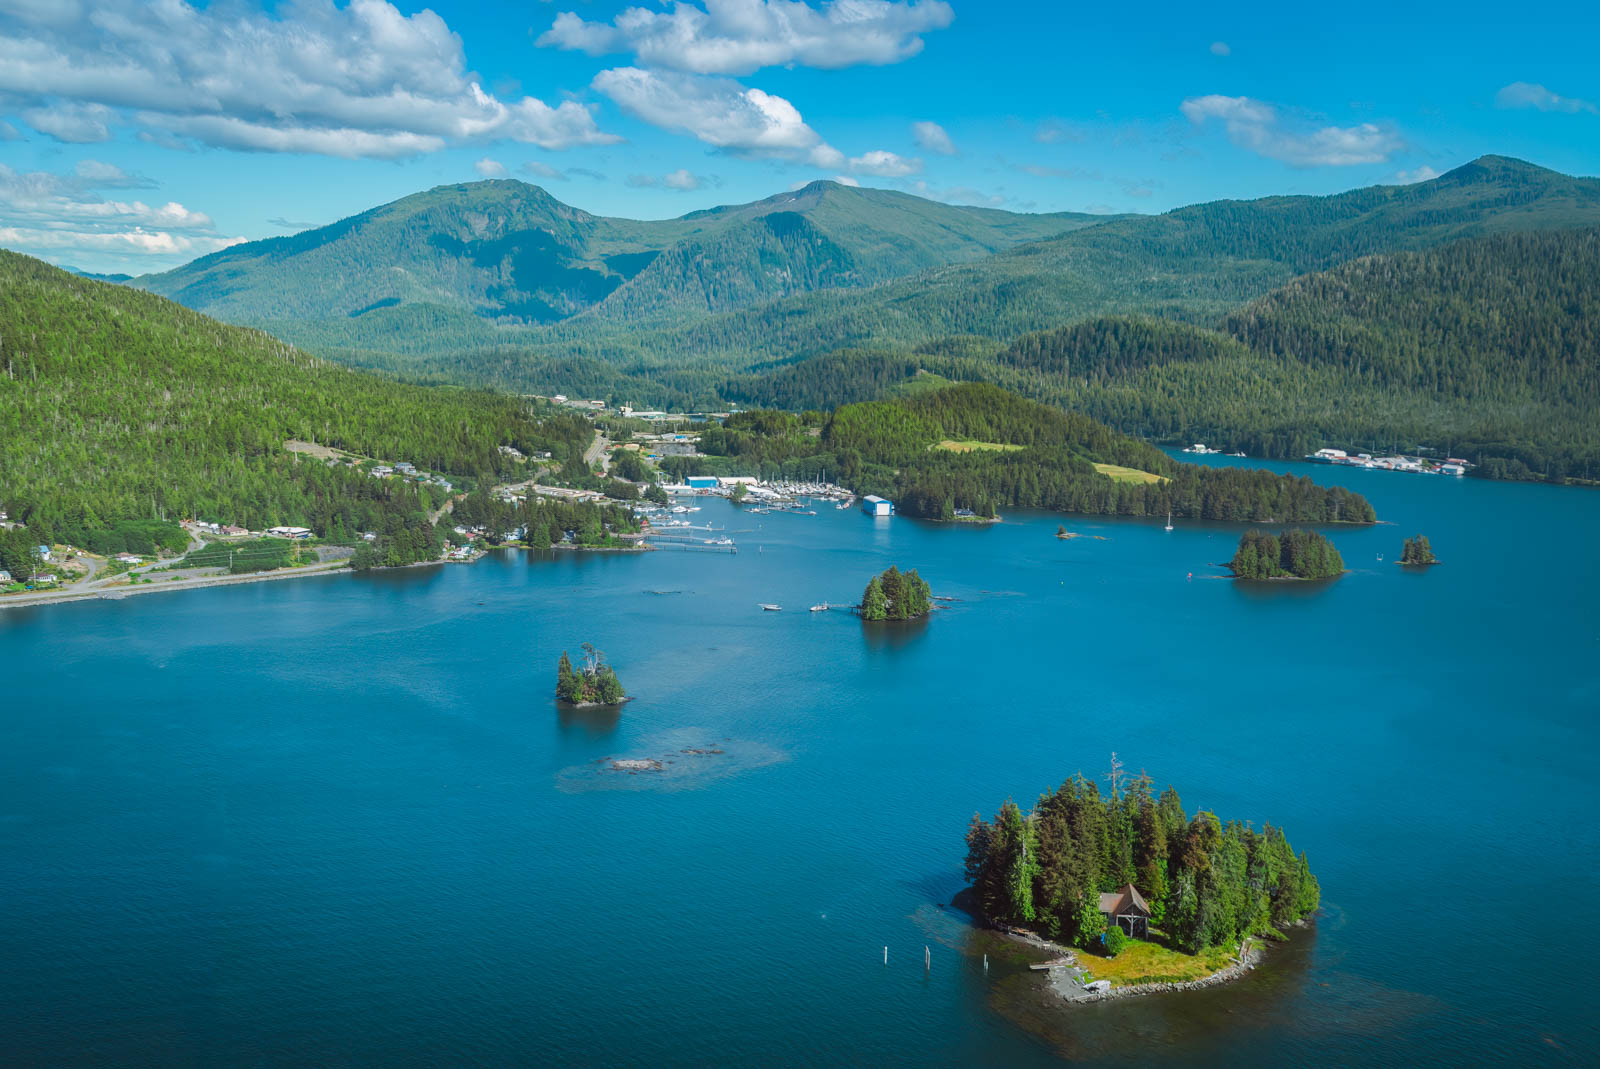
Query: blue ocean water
point(340, 821)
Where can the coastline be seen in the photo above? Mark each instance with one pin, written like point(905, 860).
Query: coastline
point(1063, 972)
point(118, 593)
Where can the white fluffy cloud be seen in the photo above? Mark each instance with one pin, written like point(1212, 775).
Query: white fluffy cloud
point(64, 217)
point(1256, 125)
point(1419, 174)
point(720, 112)
point(1531, 95)
point(1220, 48)
point(682, 180)
point(884, 164)
point(488, 168)
point(957, 195)
point(352, 81)
point(741, 36)
point(932, 136)
point(543, 170)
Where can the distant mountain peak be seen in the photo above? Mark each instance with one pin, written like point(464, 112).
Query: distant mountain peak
point(1491, 167)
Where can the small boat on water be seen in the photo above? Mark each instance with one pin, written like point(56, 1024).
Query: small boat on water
point(767, 606)
point(1169, 519)
point(842, 505)
point(820, 608)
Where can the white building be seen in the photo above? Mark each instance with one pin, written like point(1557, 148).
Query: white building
point(873, 505)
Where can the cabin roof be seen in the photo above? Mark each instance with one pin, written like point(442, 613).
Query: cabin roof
point(1125, 899)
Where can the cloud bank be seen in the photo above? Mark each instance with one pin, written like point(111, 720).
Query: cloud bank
point(1531, 95)
point(1256, 125)
point(720, 112)
point(742, 36)
point(64, 217)
point(363, 80)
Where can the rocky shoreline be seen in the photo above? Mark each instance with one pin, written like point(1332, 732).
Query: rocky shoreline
point(1064, 982)
point(1064, 975)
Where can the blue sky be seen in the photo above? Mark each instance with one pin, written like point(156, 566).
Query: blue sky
point(138, 134)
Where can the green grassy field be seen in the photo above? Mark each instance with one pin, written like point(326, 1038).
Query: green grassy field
point(1127, 475)
point(950, 445)
point(1151, 963)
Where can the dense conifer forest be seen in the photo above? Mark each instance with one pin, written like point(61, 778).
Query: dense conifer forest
point(118, 408)
point(1295, 554)
point(1207, 883)
point(980, 448)
point(896, 595)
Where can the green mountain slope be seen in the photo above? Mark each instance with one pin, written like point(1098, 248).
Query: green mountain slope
point(502, 255)
point(1487, 348)
point(1194, 263)
point(118, 405)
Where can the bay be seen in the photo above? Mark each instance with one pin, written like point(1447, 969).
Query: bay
point(341, 820)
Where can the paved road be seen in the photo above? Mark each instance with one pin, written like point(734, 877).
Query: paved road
point(596, 452)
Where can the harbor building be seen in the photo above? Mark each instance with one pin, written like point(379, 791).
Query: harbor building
point(873, 505)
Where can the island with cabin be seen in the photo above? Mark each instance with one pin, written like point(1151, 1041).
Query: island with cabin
point(1128, 892)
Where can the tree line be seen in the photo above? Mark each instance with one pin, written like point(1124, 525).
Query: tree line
point(1207, 883)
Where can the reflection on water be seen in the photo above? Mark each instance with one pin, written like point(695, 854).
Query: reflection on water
point(593, 721)
point(1155, 1024)
point(884, 635)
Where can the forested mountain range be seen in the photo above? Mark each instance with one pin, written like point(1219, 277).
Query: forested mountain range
point(490, 257)
point(1484, 347)
point(119, 406)
point(1449, 315)
point(1195, 264)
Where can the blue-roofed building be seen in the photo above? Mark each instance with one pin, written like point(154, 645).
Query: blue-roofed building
point(701, 482)
point(873, 505)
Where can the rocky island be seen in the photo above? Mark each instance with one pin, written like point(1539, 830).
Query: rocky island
point(896, 595)
point(1417, 551)
point(1295, 554)
point(596, 683)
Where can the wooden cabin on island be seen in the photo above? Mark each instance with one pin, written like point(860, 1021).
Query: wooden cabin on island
point(1126, 908)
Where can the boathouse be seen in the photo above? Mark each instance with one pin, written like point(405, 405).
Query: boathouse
point(1127, 908)
point(873, 505)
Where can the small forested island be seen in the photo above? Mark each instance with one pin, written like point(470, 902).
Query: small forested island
point(896, 595)
point(1131, 878)
point(596, 683)
point(1417, 551)
point(1295, 554)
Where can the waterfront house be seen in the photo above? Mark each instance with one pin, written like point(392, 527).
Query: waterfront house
point(42, 577)
point(1126, 908)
